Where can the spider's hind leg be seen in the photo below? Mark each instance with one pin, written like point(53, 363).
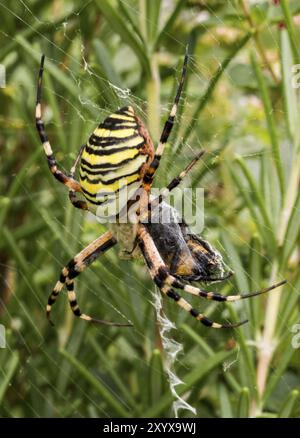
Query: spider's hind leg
point(56, 291)
point(77, 265)
point(162, 278)
point(218, 297)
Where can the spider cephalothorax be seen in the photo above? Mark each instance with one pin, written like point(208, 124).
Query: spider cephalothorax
point(119, 156)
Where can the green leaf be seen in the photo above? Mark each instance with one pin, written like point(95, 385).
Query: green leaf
point(156, 378)
point(268, 182)
point(235, 263)
point(152, 18)
point(241, 75)
point(8, 372)
point(103, 59)
point(292, 231)
point(17, 184)
point(105, 360)
point(120, 26)
point(130, 16)
point(259, 202)
point(38, 28)
point(197, 339)
point(54, 105)
point(290, 29)
point(59, 76)
point(97, 385)
point(255, 255)
point(286, 353)
point(289, 92)
point(271, 125)
point(288, 404)
point(190, 380)
point(167, 28)
point(225, 404)
point(11, 242)
point(244, 403)
point(212, 85)
point(289, 306)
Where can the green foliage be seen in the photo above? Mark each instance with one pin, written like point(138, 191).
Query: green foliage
point(244, 112)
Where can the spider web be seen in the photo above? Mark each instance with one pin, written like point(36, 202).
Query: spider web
point(85, 105)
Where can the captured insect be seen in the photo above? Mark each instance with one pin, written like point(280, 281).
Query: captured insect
point(120, 155)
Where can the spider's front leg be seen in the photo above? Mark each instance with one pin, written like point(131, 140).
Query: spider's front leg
point(162, 278)
point(71, 183)
point(167, 129)
point(77, 265)
point(78, 203)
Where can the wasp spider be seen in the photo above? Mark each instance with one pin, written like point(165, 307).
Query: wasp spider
point(120, 155)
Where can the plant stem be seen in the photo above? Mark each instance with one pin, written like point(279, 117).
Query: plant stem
point(276, 153)
point(290, 28)
point(268, 342)
point(142, 18)
point(259, 46)
point(291, 194)
point(153, 99)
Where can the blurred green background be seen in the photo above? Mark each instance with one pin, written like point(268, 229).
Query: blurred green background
point(239, 104)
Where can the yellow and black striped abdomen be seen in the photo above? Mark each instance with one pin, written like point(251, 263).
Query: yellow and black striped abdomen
point(114, 161)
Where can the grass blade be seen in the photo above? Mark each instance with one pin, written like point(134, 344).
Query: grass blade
point(114, 375)
point(290, 28)
point(292, 231)
point(271, 125)
point(244, 403)
point(169, 24)
point(120, 27)
point(255, 252)
point(8, 371)
point(289, 92)
point(259, 201)
point(212, 85)
point(157, 380)
point(152, 21)
point(248, 202)
point(225, 404)
point(96, 384)
point(104, 60)
point(288, 405)
point(286, 355)
point(190, 379)
point(197, 339)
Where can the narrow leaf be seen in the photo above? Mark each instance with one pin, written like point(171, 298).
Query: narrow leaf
point(244, 403)
point(190, 380)
point(271, 125)
point(7, 373)
point(290, 28)
point(120, 27)
point(212, 85)
point(289, 92)
point(96, 384)
point(288, 405)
